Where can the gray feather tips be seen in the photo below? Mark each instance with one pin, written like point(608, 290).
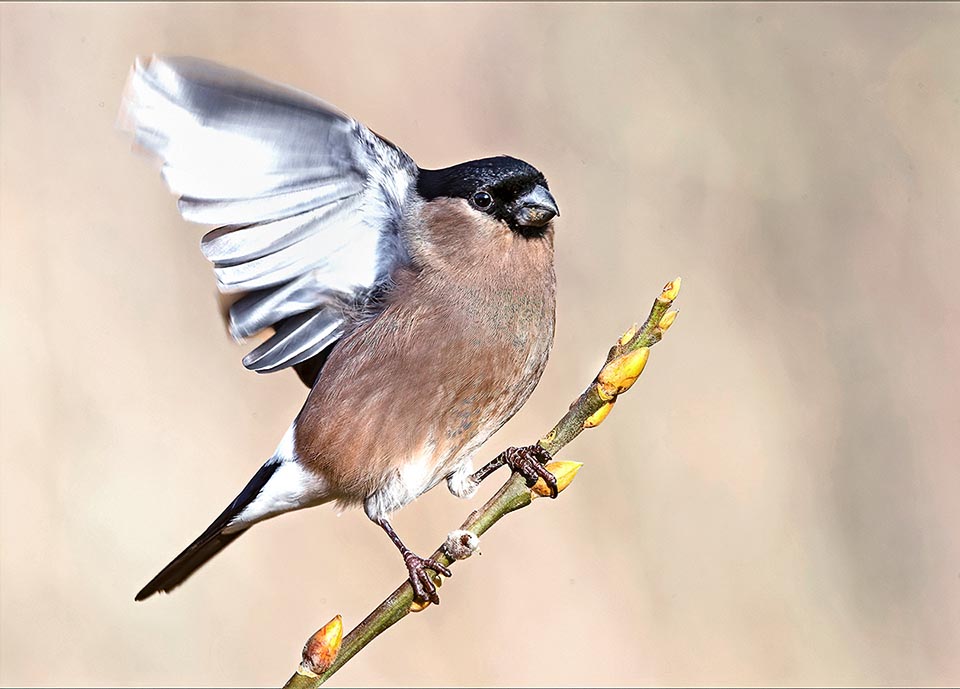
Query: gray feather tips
point(309, 201)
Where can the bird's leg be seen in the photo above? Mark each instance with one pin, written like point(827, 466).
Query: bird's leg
point(527, 461)
point(423, 587)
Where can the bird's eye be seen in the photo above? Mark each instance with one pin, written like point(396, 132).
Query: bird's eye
point(482, 199)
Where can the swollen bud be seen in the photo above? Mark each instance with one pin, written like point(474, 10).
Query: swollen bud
point(322, 648)
point(564, 472)
point(670, 290)
point(668, 318)
point(618, 375)
point(597, 417)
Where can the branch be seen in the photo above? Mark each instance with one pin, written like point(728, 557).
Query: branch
point(325, 653)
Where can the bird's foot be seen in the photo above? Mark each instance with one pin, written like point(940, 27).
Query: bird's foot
point(424, 590)
point(529, 463)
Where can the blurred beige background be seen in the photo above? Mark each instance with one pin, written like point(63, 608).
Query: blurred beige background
point(775, 503)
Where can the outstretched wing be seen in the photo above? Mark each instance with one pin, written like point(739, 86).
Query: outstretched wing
point(308, 200)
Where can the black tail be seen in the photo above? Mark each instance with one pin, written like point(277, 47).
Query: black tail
point(211, 541)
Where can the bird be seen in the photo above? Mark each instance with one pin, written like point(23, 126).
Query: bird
point(416, 305)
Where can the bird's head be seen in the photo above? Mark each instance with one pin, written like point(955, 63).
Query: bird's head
point(504, 189)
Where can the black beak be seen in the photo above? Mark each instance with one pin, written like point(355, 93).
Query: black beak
point(536, 208)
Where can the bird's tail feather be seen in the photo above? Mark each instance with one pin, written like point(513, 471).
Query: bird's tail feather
point(211, 541)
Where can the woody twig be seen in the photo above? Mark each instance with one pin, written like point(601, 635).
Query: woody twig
point(328, 650)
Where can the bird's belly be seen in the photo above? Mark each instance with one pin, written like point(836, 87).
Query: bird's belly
point(408, 481)
point(408, 400)
point(454, 438)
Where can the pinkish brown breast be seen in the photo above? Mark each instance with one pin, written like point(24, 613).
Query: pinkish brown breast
point(458, 349)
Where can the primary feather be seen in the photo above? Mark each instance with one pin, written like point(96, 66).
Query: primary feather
point(310, 202)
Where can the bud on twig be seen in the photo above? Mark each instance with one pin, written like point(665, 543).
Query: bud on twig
point(670, 290)
point(564, 472)
point(617, 376)
point(627, 336)
point(322, 648)
point(416, 606)
point(668, 318)
point(598, 416)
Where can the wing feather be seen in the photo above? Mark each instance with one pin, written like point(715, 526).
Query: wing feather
point(309, 201)
point(296, 340)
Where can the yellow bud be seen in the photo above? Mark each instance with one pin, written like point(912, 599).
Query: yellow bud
point(603, 394)
point(419, 607)
point(597, 417)
point(668, 318)
point(322, 648)
point(670, 290)
point(618, 375)
point(564, 472)
point(627, 336)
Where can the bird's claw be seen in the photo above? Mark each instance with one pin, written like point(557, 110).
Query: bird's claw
point(529, 463)
point(424, 590)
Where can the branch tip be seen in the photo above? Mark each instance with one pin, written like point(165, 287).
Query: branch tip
point(670, 290)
